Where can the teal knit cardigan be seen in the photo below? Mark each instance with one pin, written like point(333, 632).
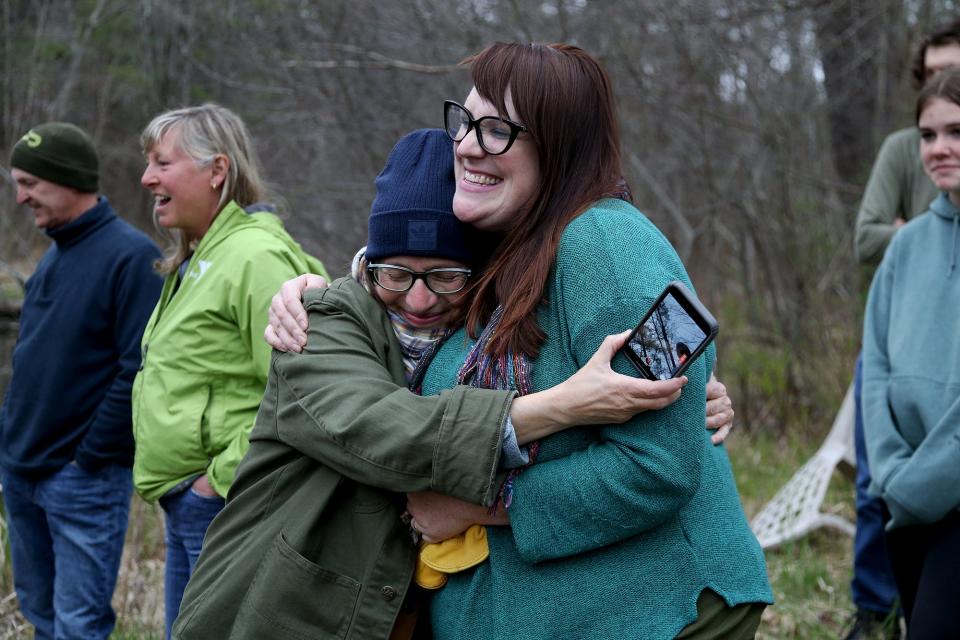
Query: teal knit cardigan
point(615, 529)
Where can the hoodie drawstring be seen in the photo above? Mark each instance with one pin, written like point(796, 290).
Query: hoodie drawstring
point(953, 243)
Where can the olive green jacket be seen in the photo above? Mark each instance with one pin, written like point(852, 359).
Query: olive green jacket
point(310, 543)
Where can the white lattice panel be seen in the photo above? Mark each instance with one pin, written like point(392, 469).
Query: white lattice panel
point(795, 509)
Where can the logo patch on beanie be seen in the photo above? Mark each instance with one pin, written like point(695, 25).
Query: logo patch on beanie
point(422, 235)
point(32, 138)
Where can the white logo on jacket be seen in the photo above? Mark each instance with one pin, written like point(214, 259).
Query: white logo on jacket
point(203, 265)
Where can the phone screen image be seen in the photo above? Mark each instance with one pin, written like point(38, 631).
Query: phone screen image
point(667, 338)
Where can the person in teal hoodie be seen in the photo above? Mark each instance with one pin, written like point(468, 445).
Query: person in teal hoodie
point(911, 381)
point(204, 366)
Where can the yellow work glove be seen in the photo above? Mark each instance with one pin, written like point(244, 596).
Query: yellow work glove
point(436, 559)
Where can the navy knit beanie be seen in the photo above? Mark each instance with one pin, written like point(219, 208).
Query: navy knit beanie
point(58, 152)
point(412, 214)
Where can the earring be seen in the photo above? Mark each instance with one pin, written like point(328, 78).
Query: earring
point(213, 185)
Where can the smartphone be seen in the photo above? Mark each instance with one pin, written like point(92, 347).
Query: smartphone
point(675, 330)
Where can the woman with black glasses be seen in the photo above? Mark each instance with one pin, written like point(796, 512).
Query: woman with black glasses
point(610, 533)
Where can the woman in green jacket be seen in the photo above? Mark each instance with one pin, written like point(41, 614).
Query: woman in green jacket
point(204, 365)
point(311, 542)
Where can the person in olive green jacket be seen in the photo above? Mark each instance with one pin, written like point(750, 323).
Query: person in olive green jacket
point(312, 542)
point(204, 366)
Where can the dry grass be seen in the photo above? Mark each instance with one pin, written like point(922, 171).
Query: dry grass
point(811, 576)
point(138, 599)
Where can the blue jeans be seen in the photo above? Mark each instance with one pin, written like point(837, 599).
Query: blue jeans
point(188, 516)
point(873, 586)
point(66, 539)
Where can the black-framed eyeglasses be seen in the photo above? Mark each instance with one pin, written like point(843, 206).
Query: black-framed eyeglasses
point(442, 281)
point(495, 135)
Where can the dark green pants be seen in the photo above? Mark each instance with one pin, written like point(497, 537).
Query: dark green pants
point(716, 621)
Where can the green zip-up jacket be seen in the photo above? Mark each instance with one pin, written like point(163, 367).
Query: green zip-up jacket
point(204, 362)
point(310, 543)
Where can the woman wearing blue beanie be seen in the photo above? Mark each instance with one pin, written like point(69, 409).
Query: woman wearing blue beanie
point(312, 541)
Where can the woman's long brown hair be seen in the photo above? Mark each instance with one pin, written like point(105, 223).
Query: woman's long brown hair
point(564, 98)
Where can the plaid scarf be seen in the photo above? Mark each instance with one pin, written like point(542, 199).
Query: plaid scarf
point(416, 345)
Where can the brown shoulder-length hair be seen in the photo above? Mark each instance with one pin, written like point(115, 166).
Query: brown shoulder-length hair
point(945, 85)
point(948, 33)
point(564, 98)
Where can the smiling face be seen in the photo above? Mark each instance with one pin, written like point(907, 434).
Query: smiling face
point(939, 125)
point(419, 306)
point(493, 192)
point(186, 194)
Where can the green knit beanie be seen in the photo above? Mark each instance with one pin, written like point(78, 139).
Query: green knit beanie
point(59, 152)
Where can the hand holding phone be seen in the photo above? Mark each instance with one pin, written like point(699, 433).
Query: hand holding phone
point(671, 335)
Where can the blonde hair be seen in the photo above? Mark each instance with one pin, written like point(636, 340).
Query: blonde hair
point(206, 131)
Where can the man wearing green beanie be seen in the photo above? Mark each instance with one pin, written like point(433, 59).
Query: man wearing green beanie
point(66, 442)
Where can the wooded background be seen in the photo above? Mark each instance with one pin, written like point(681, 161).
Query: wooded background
point(749, 129)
